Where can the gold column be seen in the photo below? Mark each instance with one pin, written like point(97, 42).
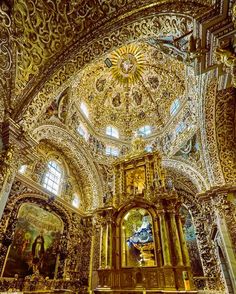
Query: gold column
point(109, 245)
point(101, 246)
point(164, 240)
point(183, 242)
point(122, 183)
point(106, 249)
point(176, 241)
point(123, 248)
point(147, 180)
point(157, 242)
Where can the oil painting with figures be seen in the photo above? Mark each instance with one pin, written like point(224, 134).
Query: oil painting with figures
point(35, 243)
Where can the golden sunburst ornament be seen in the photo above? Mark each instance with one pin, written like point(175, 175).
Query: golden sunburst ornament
point(127, 64)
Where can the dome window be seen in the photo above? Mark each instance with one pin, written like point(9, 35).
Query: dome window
point(174, 107)
point(84, 109)
point(113, 132)
point(144, 131)
point(82, 131)
point(112, 151)
point(180, 128)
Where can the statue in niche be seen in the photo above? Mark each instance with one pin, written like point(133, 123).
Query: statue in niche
point(169, 184)
point(100, 84)
point(154, 82)
point(137, 98)
point(52, 110)
point(156, 181)
point(116, 100)
point(63, 106)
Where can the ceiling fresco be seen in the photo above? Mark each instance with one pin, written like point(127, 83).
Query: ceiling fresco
point(130, 87)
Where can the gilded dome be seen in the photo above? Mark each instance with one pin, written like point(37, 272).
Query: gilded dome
point(130, 87)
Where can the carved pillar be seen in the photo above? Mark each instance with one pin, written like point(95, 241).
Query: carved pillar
point(164, 240)
point(15, 151)
point(109, 244)
point(158, 243)
point(148, 175)
point(185, 254)
point(176, 239)
point(226, 222)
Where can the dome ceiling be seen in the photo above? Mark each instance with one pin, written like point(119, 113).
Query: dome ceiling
point(130, 87)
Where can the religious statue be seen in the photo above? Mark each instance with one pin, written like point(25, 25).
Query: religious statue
point(38, 252)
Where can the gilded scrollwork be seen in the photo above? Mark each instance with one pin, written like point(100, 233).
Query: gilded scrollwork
point(142, 29)
point(208, 134)
point(225, 120)
point(87, 169)
point(6, 57)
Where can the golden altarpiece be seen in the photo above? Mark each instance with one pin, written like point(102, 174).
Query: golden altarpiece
point(142, 244)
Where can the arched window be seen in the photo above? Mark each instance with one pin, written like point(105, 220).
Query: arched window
point(113, 151)
point(52, 178)
point(113, 132)
point(144, 131)
point(174, 107)
point(76, 201)
point(84, 109)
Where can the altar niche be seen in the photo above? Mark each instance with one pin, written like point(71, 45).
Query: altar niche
point(137, 238)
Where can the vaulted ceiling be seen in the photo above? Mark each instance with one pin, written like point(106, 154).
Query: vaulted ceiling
point(126, 59)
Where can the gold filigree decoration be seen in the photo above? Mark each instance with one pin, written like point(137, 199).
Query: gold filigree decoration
point(127, 64)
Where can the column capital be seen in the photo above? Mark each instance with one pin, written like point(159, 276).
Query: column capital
point(14, 137)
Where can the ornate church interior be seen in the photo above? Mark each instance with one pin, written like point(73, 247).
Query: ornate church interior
point(118, 146)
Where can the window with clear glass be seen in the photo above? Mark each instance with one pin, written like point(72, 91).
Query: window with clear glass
point(82, 131)
point(84, 109)
point(137, 237)
point(112, 151)
point(76, 201)
point(113, 132)
point(174, 107)
point(52, 178)
point(180, 128)
point(22, 169)
point(144, 131)
point(148, 148)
